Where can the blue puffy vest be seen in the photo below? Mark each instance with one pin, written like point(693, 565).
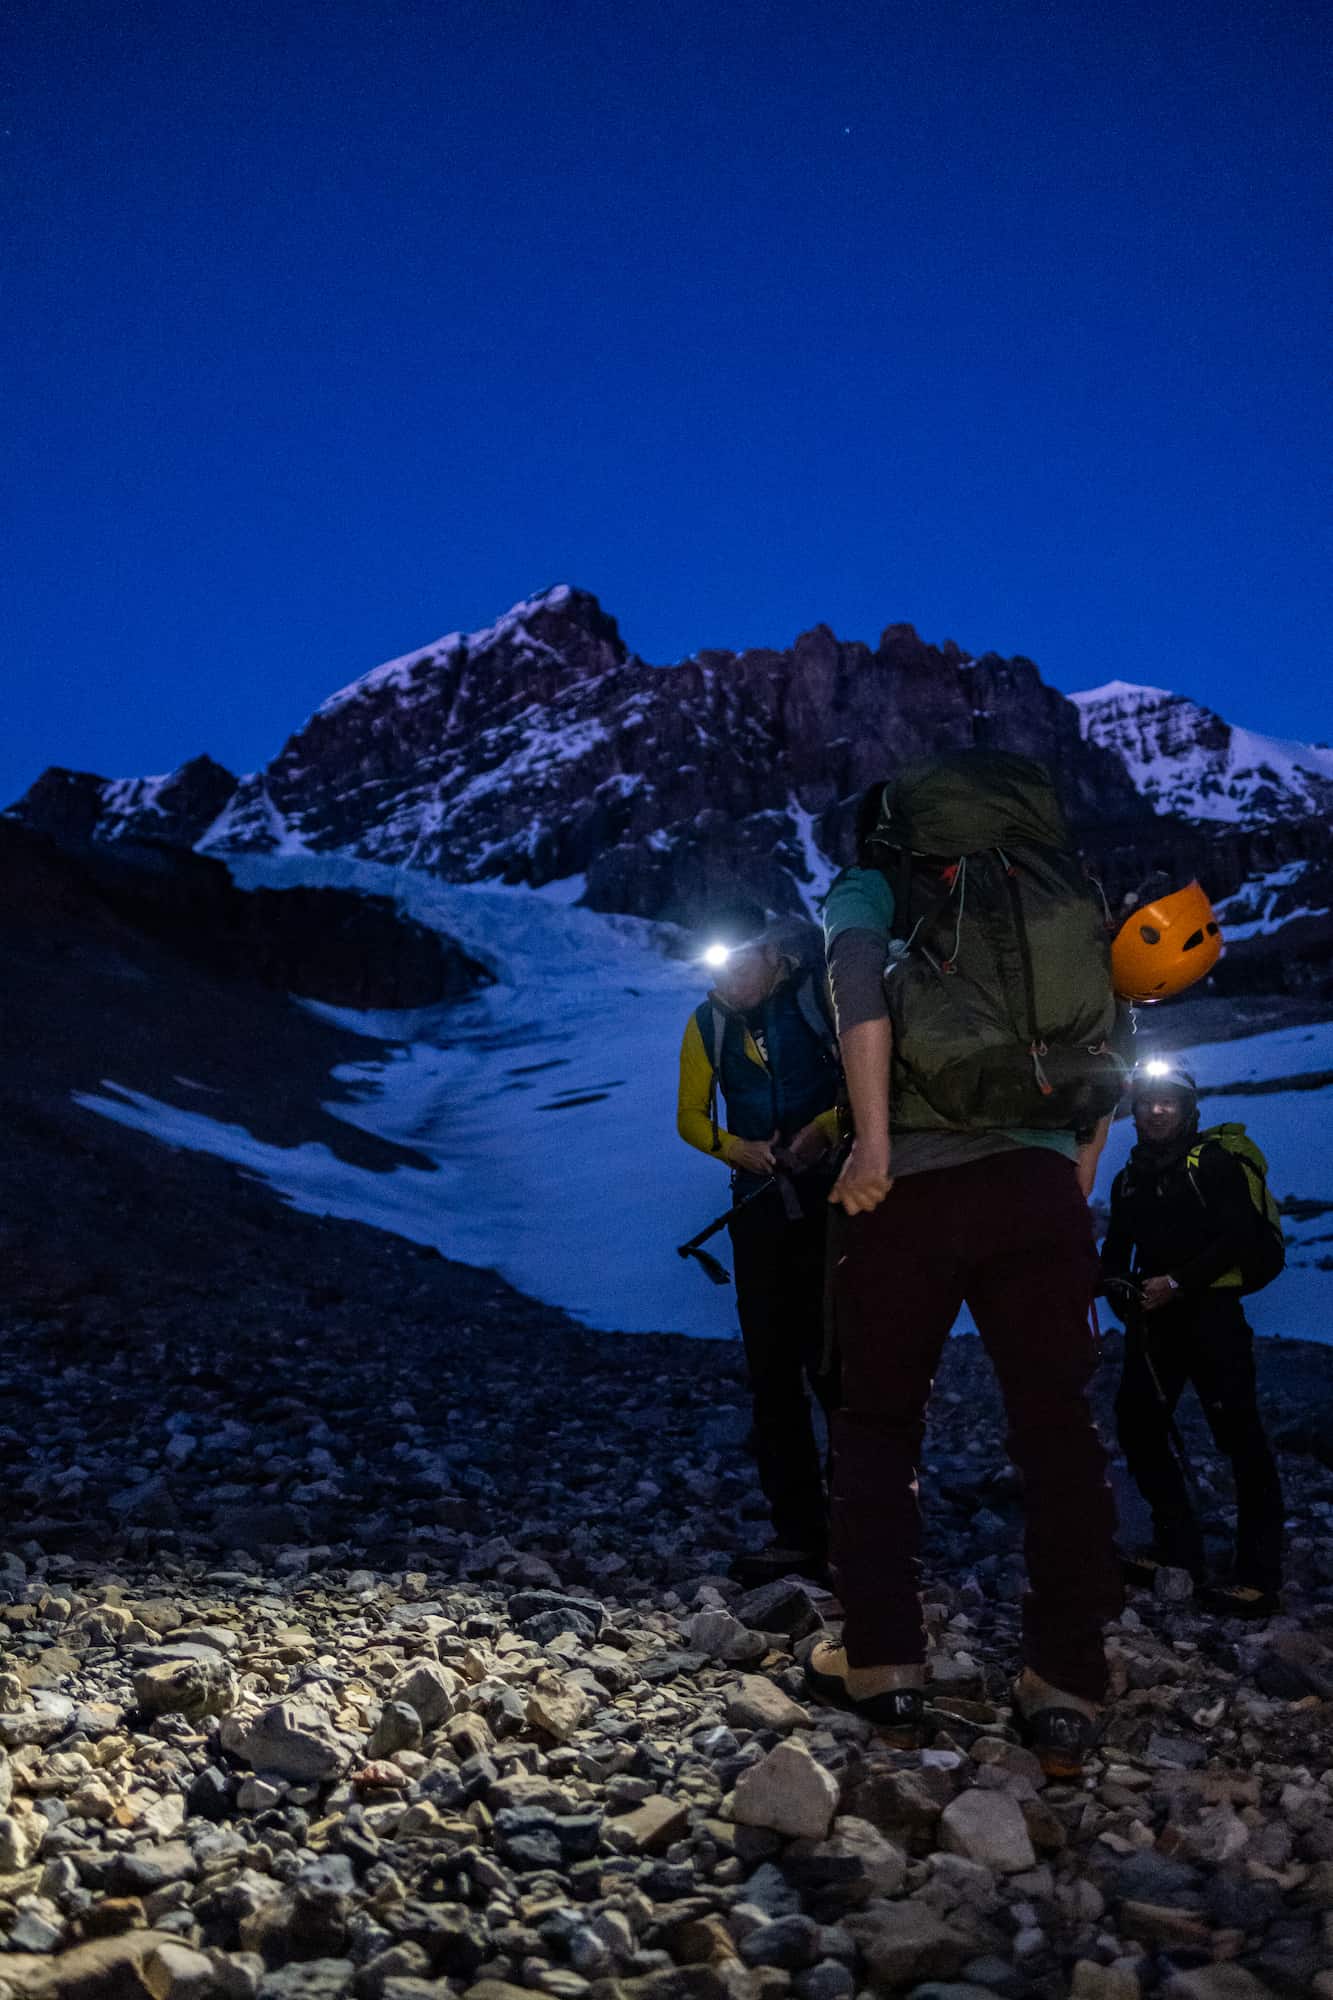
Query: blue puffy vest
point(801, 1079)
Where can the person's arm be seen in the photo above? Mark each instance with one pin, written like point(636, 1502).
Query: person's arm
point(693, 1123)
point(866, 1178)
point(858, 923)
point(694, 1095)
point(1117, 1251)
point(815, 1139)
point(1089, 1153)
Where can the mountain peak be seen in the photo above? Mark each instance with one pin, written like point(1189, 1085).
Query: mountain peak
point(1184, 759)
point(78, 806)
point(532, 622)
point(1121, 691)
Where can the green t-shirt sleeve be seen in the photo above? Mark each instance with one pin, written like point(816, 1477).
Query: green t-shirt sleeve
point(860, 900)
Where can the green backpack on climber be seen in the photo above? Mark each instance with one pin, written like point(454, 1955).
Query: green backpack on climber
point(1265, 1257)
point(998, 977)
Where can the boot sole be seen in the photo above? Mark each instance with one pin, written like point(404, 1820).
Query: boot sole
point(1059, 1738)
point(898, 1717)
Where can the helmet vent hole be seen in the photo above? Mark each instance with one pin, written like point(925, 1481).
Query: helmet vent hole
point(1193, 941)
point(1212, 930)
point(1149, 935)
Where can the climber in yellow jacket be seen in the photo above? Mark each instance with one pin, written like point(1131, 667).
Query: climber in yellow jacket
point(762, 1043)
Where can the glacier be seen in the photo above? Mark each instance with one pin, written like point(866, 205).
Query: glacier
point(546, 1105)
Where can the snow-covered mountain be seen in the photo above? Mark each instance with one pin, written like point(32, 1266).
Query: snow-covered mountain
point(542, 749)
point(77, 806)
point(1184, 759)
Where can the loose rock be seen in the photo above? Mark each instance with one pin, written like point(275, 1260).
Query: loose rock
point(788, 1792)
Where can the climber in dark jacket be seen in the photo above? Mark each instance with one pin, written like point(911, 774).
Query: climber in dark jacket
point(1182, 1218)
point(763, 1041)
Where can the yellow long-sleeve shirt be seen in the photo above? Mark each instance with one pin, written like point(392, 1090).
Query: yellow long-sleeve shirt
point(696, 1081)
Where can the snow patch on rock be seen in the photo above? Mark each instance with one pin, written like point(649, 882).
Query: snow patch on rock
point(1184, 759)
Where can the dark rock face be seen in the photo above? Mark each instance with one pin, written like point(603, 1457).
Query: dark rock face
point(325, 944)
point(767, 750)
point(75, 807)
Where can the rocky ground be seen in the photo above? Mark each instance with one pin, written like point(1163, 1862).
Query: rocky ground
point(398, 1658)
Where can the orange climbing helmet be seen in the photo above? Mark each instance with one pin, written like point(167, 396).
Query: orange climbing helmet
point(1166, 946)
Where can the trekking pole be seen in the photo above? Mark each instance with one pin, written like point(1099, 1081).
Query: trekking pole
point(1134, 1318)
point(709, 1264)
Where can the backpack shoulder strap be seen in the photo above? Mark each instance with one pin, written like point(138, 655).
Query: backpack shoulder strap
point(895, 865)
point(1230, 1140)
point(719, 1035)
point(816, 1008)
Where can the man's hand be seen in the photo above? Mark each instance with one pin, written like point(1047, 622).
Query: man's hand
point(753, 1156)
point(1158, 1292)
point(865, 1178)
point(810, 1144)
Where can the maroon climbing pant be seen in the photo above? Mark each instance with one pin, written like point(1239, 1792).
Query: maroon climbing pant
point(1012, 1237)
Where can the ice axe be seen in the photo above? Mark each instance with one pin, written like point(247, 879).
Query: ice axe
point(1134, 1315)
point(707, 1263)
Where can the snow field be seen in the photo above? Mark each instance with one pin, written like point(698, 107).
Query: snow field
point(547, 1102)
point(547, 1107)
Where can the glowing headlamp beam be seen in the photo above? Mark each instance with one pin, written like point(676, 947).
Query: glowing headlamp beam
point(717, 955)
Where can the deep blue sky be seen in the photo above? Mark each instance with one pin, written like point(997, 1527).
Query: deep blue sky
point(329, 328)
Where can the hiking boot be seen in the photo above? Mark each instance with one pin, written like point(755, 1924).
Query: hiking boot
point(1060, 1728)
point(1178, 1544)
point(1242, 1600)
point(892, 1698)
point(776, 1560)
point(1139, 1572)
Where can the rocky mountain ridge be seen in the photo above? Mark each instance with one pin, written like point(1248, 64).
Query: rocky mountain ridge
point(542, 749)
point(1184, 759)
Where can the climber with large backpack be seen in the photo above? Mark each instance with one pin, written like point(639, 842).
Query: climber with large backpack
point(1194, 1230)
point(759, 1089)
point(982, 1045)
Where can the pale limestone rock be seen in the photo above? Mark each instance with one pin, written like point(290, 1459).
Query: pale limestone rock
point(989, 1827)
point(758, 1704)
point(557, 1708)
point(651, 1826)
point(788, 1793)
point(290, 1739)
point(177, 1972)
point(429, 1688)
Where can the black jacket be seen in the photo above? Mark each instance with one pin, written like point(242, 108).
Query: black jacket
point(1169, 1221)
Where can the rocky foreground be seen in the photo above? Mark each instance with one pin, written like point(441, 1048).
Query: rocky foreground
point(401, 1662)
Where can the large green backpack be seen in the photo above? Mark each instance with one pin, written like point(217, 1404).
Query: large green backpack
point(1265, 1257)
point(998, 978)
